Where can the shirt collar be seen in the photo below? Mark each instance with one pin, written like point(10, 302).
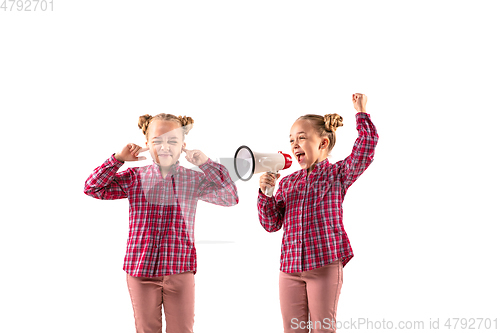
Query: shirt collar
point(318, 167)
point(174, 169)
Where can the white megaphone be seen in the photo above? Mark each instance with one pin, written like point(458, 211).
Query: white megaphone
point(248, 163)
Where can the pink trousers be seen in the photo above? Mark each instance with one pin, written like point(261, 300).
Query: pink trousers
point(176, 294)
point(309, 299)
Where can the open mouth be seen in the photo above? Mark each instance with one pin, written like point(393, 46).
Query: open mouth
point(300, 157)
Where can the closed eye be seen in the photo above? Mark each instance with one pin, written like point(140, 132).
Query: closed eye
point(300, 138)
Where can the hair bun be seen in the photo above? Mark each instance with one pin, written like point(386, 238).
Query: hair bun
point(332, 122)
point(144, 122)
point(187, 123)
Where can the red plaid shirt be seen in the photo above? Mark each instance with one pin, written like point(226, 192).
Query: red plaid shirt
point(309, 208)
point(161, 210)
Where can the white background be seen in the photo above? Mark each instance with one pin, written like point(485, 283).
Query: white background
point(422, 220)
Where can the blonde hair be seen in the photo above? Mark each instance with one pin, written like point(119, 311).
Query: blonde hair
point(185, 122)
point(325, 126)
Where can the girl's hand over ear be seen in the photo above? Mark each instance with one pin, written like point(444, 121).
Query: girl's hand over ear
point(195, 157)
point(130, 153)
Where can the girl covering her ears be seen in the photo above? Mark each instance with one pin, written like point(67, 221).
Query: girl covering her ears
point(308, 205)
point(160, 260)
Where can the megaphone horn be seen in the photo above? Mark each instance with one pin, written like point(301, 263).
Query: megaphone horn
point(248, 163)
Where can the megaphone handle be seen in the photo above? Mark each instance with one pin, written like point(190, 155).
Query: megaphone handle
point(270, 190)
